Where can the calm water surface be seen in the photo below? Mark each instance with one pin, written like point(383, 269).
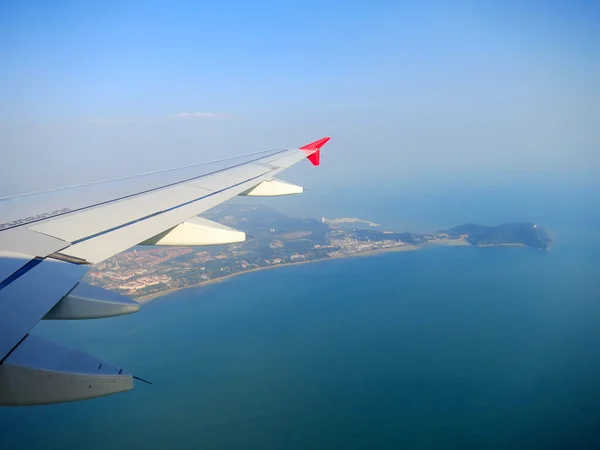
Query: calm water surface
point(457, 348)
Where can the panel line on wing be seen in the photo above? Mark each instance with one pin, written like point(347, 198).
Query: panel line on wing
point(156, 172)
point(149, 216)
point(13, 349)
point(20, 272)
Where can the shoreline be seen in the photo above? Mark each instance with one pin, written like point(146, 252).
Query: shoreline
point(404, 248)
point(150, 297)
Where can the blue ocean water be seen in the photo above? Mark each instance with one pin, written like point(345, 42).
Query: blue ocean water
point(460, 348)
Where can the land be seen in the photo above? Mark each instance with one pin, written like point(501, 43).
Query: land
point(277, 240)
point(524, 234)
point(347, 220)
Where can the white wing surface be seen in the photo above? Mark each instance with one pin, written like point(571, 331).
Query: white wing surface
point(49, 241)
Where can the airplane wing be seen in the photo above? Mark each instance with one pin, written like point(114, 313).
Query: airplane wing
point(50, 240)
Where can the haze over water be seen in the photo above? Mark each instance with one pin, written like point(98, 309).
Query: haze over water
point(464, 348)
point(440, 113)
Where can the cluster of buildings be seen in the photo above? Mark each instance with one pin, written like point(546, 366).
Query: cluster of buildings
point(348, 245)
point(141, 268)
point(143, 282)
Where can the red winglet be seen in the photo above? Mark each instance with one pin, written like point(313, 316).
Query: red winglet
point(313, 150)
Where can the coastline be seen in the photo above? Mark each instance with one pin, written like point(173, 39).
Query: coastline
point(500, 245)
point(149, 298)
point(448, 242)
point(404, 248)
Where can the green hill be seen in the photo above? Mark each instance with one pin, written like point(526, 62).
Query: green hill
point(527, 234)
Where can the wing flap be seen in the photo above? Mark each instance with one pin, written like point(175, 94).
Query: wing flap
point(91, 302)
point(28, 298)
point(87, 223)
point(40, 372)
point(102, 246)
point(28, 242)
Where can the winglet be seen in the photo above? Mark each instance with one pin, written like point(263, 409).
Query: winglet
point(313, 150)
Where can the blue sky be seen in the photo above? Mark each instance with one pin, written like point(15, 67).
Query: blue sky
point(407, 90)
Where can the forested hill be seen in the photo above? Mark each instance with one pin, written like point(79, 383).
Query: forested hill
point(527, 234)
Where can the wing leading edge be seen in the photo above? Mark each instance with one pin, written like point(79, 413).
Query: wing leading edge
point(49, 241)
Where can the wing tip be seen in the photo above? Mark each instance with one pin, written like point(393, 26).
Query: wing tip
point(313, 150)
point(317, 144)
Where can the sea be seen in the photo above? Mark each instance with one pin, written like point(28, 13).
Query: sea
point(440, 348)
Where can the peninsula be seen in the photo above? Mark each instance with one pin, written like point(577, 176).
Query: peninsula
point(145, 272)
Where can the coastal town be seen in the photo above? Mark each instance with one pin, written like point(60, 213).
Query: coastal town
point(277, 239)
point(144, 272)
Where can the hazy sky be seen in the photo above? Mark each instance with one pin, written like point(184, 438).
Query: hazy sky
point(407, 90)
